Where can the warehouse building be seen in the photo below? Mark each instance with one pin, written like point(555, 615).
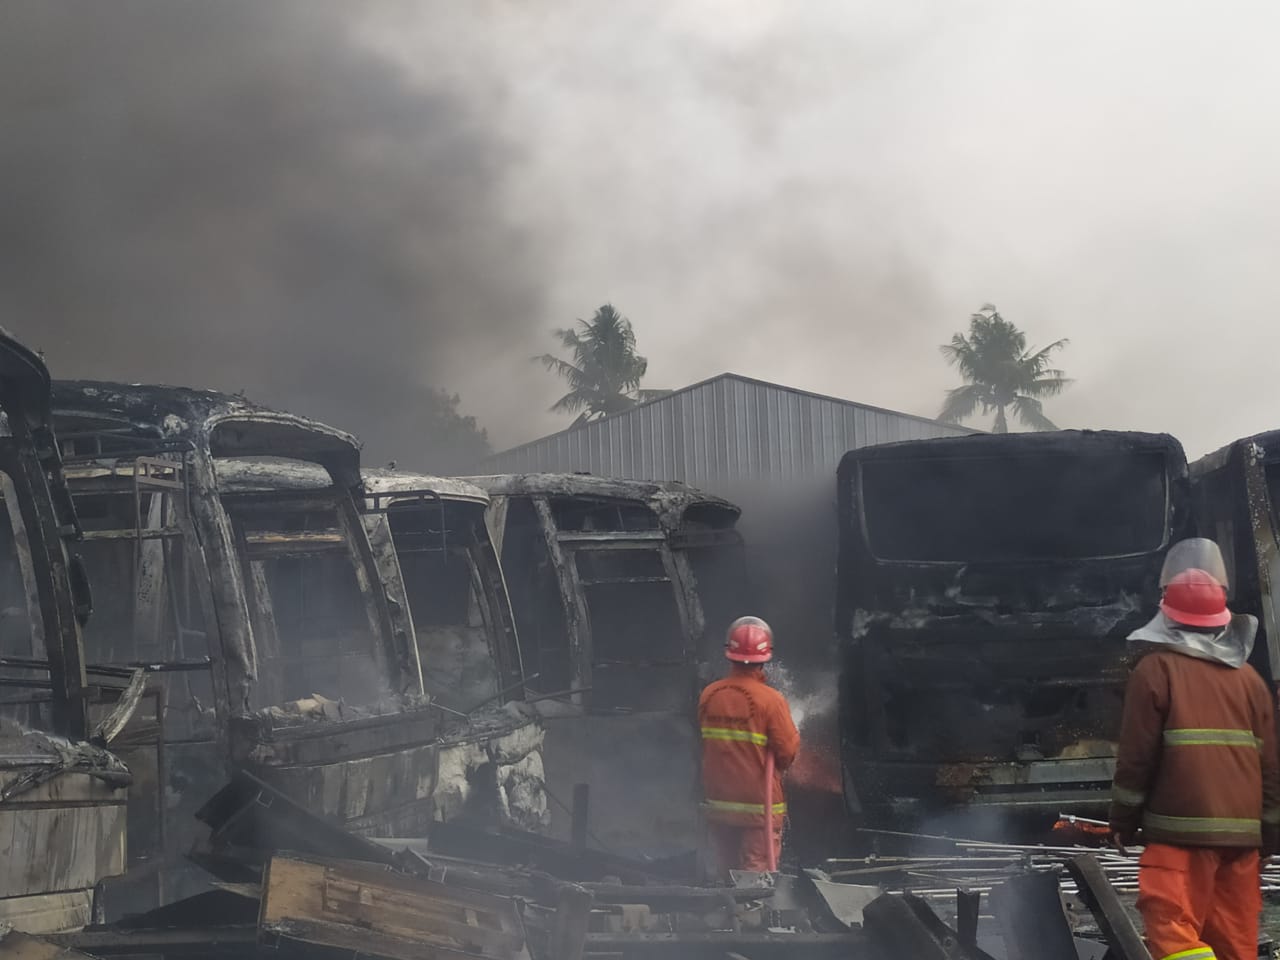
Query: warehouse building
point(771, 449)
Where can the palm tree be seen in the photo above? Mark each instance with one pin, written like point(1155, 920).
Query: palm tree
point(1001, 374)
point(604, 375)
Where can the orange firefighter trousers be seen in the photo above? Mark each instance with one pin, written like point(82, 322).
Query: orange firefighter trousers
point(1200, 903)
point(743, 848)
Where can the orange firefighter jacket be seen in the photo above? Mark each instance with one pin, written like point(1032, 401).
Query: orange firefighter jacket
point(1197, 762)
point(741, 718)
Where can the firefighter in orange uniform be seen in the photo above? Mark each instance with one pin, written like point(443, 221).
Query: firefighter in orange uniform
point(1197, 769)
point(743, 719)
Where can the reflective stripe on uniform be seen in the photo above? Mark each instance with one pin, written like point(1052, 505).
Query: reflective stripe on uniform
point(1126, 797)
point(1200, 824)
point(728, 733)
point(1209, 737)
point(729, 806)
point(1271, 815)
point(1195, 953)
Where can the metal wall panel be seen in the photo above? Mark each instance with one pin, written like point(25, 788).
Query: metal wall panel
point(718, 432)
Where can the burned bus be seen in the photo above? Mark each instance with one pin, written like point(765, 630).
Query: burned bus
point(457, 596)
point(1236, 491)
point(239, 560)
point(466, 635)
point(622, 592)
point(985, 589)
point(64, 798)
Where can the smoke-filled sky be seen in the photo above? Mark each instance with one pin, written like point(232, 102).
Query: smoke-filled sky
point(333, 205)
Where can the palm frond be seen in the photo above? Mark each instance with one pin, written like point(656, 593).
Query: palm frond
point(1047, 386)
point(962, 402)
point(1030, 411)
point(576, 377)
point(1043, 353)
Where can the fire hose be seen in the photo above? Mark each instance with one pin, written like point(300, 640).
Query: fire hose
point(768, 811)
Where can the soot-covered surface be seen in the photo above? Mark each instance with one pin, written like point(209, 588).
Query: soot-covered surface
point(985, 588)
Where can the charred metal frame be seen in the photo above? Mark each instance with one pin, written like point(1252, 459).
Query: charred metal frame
point(29, 456)
point(163, 440)
point(385, 492)
point(52, 869)
point(963, 626)
point(1234, 507)
point(671, 540)
point(247, 482)
point(636, 759)
point(161, 431)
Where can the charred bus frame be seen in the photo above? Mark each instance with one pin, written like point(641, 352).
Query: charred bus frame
point(454, 583)
point(249, 568)
point(62, 798)
point(622, 591)
point(985, 588)
point(1237, 501)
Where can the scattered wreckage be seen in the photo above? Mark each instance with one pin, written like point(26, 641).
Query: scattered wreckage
point(294, 884)
point(622, 593)
point(62, 795)
point(238, 558)
point(986, 585)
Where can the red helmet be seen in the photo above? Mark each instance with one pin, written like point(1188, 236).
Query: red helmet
point(749, 641)
point(1196, 598)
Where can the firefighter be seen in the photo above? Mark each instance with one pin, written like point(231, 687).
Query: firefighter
point(744, 721)
point(1196, 769)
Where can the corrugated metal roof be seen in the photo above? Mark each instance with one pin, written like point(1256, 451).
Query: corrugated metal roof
point(719, 432)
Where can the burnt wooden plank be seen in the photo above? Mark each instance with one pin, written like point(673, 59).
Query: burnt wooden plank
point(49, 912)
point(345, 905)
point(170, 942)
point(569, 926)
point(22, 946)
point(65, 834)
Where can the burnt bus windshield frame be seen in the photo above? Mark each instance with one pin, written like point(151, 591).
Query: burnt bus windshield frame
point(866, 534)
point(1271, 464)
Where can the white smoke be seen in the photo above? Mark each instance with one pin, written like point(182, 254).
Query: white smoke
point(811, 694)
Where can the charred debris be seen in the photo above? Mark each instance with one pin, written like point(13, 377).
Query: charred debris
point(292, 883)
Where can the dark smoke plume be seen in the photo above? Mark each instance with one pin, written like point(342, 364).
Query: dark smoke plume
point(240, 195)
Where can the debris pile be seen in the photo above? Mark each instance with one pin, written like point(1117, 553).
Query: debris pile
point(288, 880)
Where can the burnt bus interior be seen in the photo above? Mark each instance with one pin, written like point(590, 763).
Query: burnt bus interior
point(646, 603)
point(63, 814)
point(224, 625)
point(153, 609)
point(986, 586)
point(1237, 493)
point(461, 616)
point(306, 584)
point(622, 592)
point(150, 583)
point(22, 629)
